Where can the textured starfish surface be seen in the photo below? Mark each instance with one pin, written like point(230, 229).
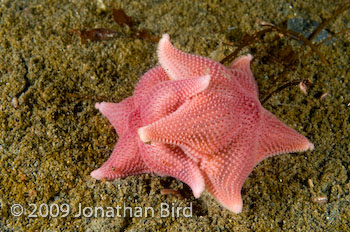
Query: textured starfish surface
point(198, 121)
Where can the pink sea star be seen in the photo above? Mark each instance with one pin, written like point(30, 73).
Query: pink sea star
point(198, 121)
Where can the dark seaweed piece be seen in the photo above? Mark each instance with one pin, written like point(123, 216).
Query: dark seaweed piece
point(247, 40)
point(289, 57)
point(250, 39)
point(306, 27)
point(342, 7)
point(120, 17)
point(282, 87)
point(345, 30)
point(96, 34)
point(297, 36)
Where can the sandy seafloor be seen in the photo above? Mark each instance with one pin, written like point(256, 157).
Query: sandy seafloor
point(51, 141)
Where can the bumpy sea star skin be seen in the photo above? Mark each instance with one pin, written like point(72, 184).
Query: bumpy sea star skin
point(198, 121)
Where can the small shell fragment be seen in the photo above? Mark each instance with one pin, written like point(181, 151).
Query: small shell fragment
point(320, 199)
point(101, 7)
point(303, 87)
point(324, 95)
point(14, 102)
point(311, 184)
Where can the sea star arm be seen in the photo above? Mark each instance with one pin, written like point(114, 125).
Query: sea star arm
point(275, 137)
point(171, 161)
point(203, 124)
point(117, 113)
point(125, 160)
point(164, 98)
point(151, 78)
point(240, 68)
point(181, 65)
point(226, 171)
